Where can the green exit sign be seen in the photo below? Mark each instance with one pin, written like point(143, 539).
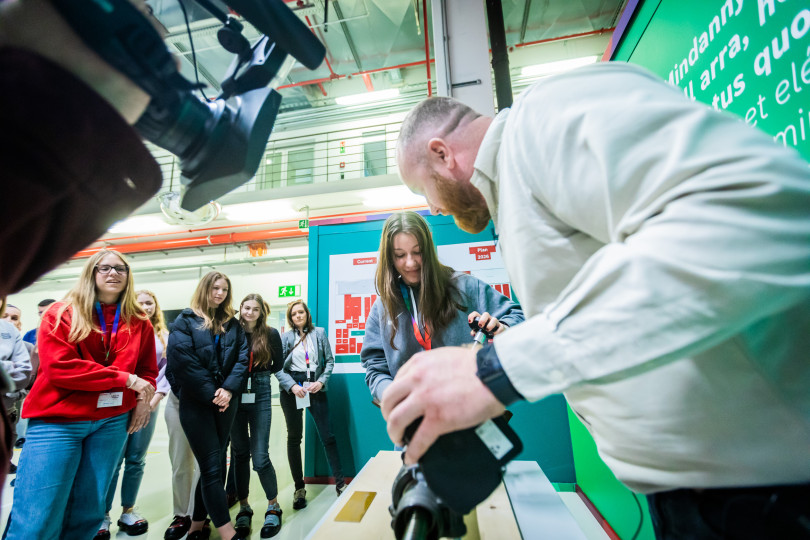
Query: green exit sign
point(287, 291)
point(303, 223)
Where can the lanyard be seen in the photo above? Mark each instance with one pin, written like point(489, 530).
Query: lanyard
point(410, 302)
point(103, 325)
point(306, 355)
point(250, 372)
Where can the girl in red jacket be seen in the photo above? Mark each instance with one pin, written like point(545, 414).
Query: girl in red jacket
point(96, 378)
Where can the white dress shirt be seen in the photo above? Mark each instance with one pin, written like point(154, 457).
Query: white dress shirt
point(662, 252)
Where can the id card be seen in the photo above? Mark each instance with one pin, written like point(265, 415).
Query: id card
point(303, 403)
point(110, 399)
point(249, 398)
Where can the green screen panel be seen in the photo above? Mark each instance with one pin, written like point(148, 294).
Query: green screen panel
point(751, 59)
point(613, 500)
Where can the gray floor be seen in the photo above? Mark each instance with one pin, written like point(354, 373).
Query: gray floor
point(155, 496)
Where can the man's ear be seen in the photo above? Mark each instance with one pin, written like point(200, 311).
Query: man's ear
point(439, 152)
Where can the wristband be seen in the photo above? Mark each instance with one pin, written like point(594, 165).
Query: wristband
point(491, 373)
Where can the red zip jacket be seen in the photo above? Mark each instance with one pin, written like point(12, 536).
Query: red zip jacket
point(71, 376)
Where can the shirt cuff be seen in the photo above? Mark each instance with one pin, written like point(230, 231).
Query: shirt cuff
point(494, 377)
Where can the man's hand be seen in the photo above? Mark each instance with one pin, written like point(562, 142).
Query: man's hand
point(441, 386)
point(139, 417)
point(314, 387)
point(298, 390)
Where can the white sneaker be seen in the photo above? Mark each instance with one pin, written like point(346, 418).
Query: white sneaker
point(133, 523)
point(104, 531)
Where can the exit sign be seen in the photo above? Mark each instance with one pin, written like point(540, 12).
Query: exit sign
point(303, 223)
point(286, 291)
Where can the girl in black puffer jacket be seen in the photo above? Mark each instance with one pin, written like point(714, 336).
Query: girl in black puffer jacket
point(207, 363)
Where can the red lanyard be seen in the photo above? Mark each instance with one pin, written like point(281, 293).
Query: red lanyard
point(410, 302)
point(425, 343)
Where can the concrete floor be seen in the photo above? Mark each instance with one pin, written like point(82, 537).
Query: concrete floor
point(155, 496)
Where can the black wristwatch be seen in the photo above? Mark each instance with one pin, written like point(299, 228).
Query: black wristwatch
point(494, 377)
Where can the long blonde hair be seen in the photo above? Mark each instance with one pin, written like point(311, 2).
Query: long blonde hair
point(438, 297)
point(157, 319)
point(82, 298)
point(213, 318)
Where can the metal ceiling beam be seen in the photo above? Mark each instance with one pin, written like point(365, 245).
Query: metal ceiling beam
point(525, 23)
point(347, 34)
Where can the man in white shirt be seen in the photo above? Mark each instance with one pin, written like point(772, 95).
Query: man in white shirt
point(661, 251)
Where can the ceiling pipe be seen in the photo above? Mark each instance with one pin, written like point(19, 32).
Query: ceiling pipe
point(199, 241)
point(347, 34)
point(367, 80)
point(431, 60)
point(427, 48)
point(500, 54)
point(332, 74)
point(163, 269)
point(569, 36)
point(525, 22)
point(207, 239)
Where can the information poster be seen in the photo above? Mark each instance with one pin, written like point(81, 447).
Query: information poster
point(352, 291)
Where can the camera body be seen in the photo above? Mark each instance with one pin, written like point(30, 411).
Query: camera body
point(220, 142)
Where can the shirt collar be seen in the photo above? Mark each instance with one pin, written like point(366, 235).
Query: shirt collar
point(485, 175)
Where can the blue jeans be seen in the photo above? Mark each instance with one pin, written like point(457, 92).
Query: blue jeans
point(134, 453)
point(63, 476)
point(256, 442)
point(319, 409)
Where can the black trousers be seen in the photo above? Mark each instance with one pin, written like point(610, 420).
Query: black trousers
point(319, 409)
point(208, 432)
point(768, 512)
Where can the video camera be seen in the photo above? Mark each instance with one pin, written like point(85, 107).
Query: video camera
point(220, 143)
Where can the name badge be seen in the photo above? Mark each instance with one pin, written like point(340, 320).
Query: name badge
point(248, 398)
point(110, 399)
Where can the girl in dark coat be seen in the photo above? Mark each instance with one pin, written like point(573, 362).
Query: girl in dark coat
point(208, 360)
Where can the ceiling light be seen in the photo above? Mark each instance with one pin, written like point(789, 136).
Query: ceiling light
point(368, 97)
point(550, 68)
point(392, 197)
point(260, 211)
point(140, 225)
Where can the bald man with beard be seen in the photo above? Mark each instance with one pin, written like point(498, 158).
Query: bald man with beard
point(661, 251)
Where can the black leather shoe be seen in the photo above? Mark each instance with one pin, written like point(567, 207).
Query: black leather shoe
point(202, 534)
point(178, 528)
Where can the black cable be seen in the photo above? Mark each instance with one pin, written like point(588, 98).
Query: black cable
point(640, 517)
point(193, 53)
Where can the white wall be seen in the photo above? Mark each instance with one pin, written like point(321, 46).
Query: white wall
point(174, 286)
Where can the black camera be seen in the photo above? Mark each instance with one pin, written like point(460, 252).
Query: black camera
point(219, 142)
